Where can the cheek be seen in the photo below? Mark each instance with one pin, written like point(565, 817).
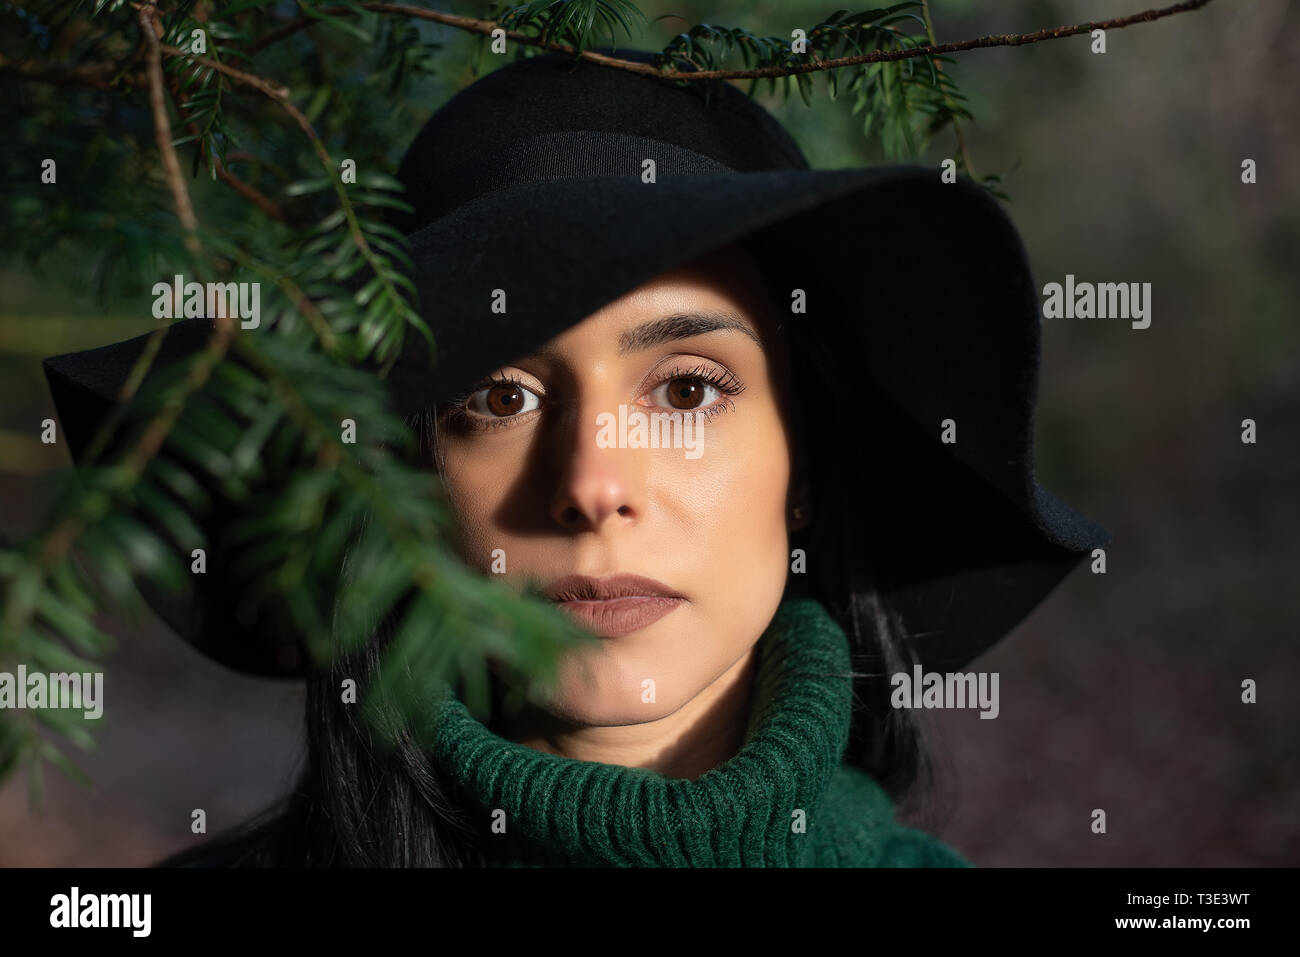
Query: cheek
point(730, 507)
point(477, 482)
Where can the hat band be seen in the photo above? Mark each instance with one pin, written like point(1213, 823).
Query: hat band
point(569, 154)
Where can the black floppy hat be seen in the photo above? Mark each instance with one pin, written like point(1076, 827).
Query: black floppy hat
point(535, 180)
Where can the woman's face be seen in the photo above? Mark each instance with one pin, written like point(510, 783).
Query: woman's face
point(537, 466)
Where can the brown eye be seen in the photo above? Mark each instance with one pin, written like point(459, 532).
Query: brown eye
point(502, 400)
point(685, 393)
point(505, 399)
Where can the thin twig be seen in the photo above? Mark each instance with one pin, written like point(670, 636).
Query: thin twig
point(104, 75)
point(472, 25)
point(248, 79)
point(163, 133)
point(250, 193)
point(278, 93)
point(184, 212)
point(956, 127)
point(281, 95)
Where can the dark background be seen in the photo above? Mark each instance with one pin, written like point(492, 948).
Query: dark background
point(1122, 691)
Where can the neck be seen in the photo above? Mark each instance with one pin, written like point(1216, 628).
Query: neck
point(530, 807)
point(702, 734)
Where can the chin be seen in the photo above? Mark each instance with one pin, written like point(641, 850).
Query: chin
point(606, 687)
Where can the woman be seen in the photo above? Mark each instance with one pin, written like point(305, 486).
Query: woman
point(844, 491)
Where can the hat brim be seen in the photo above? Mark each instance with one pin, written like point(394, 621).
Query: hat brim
point(927, 282)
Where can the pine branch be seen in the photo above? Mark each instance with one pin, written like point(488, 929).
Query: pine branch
point(388, 343)
point(163, 132)
point(99, 75)
point(485, 27)
point(227, 422)
point(157, 430)
point(212, 161)
point(108, 494)
point(956, 127)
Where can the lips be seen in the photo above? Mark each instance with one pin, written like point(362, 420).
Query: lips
point(615, 605)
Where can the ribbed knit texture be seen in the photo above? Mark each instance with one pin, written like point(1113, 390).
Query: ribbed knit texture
point(743, 813)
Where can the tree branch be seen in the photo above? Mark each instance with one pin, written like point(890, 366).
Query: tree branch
point(163, 133)
point(280, 94)
point(248, 79)
point(249, 193)
point(104, 75)
point(956, 127)
point(184, 212)
point(485, 27)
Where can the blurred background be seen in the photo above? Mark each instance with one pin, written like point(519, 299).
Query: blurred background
point(1122, 691)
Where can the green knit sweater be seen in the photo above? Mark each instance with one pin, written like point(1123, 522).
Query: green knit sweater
point(559, 811)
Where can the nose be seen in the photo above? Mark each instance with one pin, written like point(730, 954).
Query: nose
point(595, 485)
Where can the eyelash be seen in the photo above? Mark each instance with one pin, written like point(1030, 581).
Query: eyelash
point(725, 382)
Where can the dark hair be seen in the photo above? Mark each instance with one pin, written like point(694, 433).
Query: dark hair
point(360, 802)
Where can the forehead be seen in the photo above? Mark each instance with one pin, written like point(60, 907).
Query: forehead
point(722, 291)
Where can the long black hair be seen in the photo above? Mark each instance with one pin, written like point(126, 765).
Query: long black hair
point(370, 797)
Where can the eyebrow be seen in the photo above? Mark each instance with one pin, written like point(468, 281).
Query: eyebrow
point(681, 325)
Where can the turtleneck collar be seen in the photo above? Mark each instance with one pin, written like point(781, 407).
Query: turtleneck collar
point(560, 811)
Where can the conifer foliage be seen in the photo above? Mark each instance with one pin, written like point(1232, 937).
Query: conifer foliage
point(254, 141)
